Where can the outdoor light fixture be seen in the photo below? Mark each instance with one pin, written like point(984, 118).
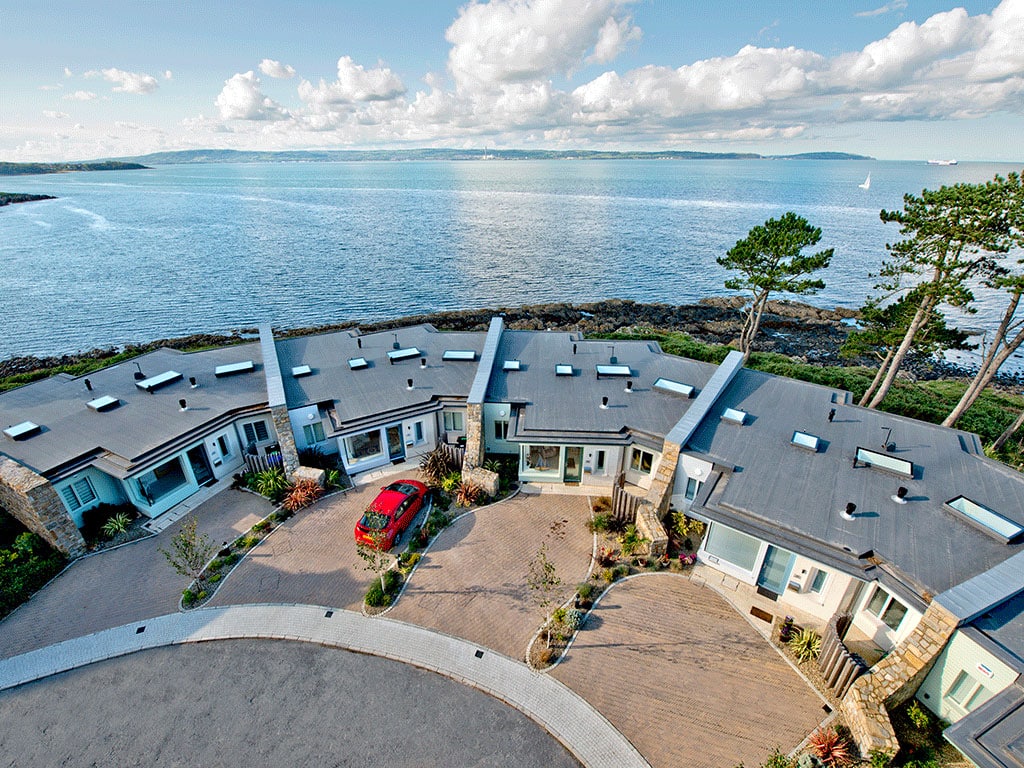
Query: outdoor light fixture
point(139, 375)
point(396, 345)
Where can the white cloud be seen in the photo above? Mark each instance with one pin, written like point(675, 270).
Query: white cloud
point(80, 96)
point(67, 72)
point(242, 99)
point(51, 87)
point(54, 115)
point(1002, 53)
point(126, 82)
point(506, 41)
point(895, 5)
point(354, 84)
point(272, 68)
point(168, 75)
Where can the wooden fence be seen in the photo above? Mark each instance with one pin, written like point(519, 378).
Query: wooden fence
point(624, 504)
point(838, 665)
point(272, 460)
point(454, 453)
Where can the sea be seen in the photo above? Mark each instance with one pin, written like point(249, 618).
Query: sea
point(132, 256)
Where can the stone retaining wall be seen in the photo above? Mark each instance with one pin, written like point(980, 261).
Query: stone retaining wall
point(285, 439)
point(33, 500)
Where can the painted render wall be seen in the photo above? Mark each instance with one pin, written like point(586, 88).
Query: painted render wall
point(108, 491)
point(962, 654)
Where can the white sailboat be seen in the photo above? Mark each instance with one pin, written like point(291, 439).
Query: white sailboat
point(867, 183)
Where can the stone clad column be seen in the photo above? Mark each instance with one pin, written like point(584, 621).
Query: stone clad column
point(33, 500)
point(285, 439)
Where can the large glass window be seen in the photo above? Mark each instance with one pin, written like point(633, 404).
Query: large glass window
point(692, 486)
point(162, 480)
point(364, 446)
point(542, 458)
point(818, 582)
point(453, 421)
point(641, 461)
point(886, 607)
point(732, 546)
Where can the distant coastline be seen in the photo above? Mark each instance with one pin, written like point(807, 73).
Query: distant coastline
point(10, 198)
point(28, 169)
point(400, 155)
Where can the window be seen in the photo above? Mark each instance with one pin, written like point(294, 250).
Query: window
point(417, 431)
point(692, 487)
point(732, 546)
point(967, 693)
point(453, 421)
point(363, 446)
point(886, 607)
point(501, 430)
point(599, 463)
point(162, 480)
point(542, 458)
point(641, 461)
point(79, 493)
point(256, 432)
point(819, 581)
point(224, 445)
point(313, 433)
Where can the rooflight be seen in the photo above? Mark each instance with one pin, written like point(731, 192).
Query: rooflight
point(988, 519)
point(232, 369)
point(675, 387)
point(511, 365)
point(562, 369)
point(161, 380)
point(23, 431)
point(403, 354)
point(459, 354)
point(805, 440)
point(104, 403)
point(884, 461)
point(302, 370)
point(613, 370)
point(355, 363)
point(734, 416)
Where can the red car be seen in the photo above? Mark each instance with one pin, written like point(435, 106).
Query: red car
point(390, 513)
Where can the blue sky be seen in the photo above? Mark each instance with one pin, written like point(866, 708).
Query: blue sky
point(896, 79)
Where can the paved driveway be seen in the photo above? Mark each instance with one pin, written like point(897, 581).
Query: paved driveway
point(472, 582)
point(269, 703)
point(686, 678)
point(310, 559)
point(123, 585)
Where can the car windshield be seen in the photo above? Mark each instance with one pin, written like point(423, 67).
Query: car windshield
point(403, 488)
point(374, 521)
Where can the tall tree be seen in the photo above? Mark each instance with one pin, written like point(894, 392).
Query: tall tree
point(769, 259)
point(950, 237)
point(1009, 278)
point(543, 581)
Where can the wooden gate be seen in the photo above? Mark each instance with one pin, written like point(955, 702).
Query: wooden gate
point(624, 504)
point(838, 665)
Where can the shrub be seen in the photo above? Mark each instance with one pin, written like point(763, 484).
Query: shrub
point(24, 569)
point(249, 541)
point(608, 574)
point(631, 541)
point(585, 590)
point(918, 716)
point(805, 644)
point(262, 525)
point(605, 556)
point(599, 523)
point(833, 750)
point(558, 615)
point(313, 456)
point(94, 519)
point(214, 578)
point(687, 527)
point(302, 494)
point(451, 481)
point(188, 597)
point(408, 560)
point(468, 494)
point(573, 618)
point(493, 465)
point(332, 478)
point(778, 760)
point(620, 571)
point(117, 524)
point(879, 758)
point(602, 504)
point(271, 483)
point(379, 598)
point(436, 466)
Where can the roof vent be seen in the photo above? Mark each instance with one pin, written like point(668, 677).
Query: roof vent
point(734, 416)
point(23, 431)
point(806, 441)
point(355, 363)
point(304, 370)
point(459, 354)
point(193, 383)
point(183, 405)
point(233, 369)
point(156, 382)
point(88, 385)
point(604, 403)
point(831, 414)
point(847, 514)
point(408, 384)
point(675, 387)
point(884, 461)
point(511, 365)
point(402, 354)
point(423, 362)
point(613, 370)
point(900, 497)
point(987, 519)
point(629, 386)
point(105, 403)
point(562, 369)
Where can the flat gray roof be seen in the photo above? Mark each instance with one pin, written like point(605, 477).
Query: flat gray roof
point(921, 545)
point(143, 423)
point(379, 388)
point(992, 736)
point(569, 407)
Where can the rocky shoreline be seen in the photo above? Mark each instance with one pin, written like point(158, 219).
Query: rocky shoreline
point(799, 331)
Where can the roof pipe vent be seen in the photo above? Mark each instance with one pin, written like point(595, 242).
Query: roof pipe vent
point(831, 414)
point(88, 385)
point(629, 386)
point(408, 384)
point(574, 349)
point(847, 514)
point(423, 362)
point(604, 402)
point(359, 342)
point(396, 345)
point(192, 382)
point(183, 405)
point(139, 375)
point(901, 495)
point(612, 359)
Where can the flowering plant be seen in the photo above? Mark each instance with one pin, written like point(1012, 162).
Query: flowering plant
point(687, 559)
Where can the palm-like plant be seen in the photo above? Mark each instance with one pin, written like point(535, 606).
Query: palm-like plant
point(117, 524)
point(831, 748)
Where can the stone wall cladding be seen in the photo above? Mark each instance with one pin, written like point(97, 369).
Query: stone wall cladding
point(895, 679)
point(654, 508)
point(285, 439)
point(318, 476)
point(33, 500)
point(484, 478)
point(474, 437)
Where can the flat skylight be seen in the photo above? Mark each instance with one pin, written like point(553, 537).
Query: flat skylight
point(154, 383)
point(562, 369)
point(459, 354)
point(511, 365)
point(805, 440)
point(302, 370)
point(104, 403)
point(355, 363)
point(734, 416)
point(990, 520)
point(403, 354)
point(883, 461)
point(23, 431)
point(675, 387)
point(232, 369)
point(613, 370)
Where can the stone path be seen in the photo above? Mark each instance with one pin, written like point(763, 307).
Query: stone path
point(472, 581)
point(564, 714)
point(683, 676)
point(125, 584)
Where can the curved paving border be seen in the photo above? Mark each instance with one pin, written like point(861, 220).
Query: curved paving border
point(549, 703)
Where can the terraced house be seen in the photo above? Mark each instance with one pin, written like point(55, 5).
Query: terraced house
point(898, 539)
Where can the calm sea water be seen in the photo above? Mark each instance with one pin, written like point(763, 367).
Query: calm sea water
point(137, 255)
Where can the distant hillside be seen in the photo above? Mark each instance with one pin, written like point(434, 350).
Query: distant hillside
point(315, 156)
point(25, 169)
point(8, 198)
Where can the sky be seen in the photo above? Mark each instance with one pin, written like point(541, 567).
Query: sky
point(894, 79)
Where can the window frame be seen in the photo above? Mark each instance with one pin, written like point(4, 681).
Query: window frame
point(965, 690)
point(310, 430)
point(816, 588)
point(70, 492)
point(254, 427)
point(450, 417)
point(884, 607)
point(224, 445)
point(501, 429)
point(636, 460)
